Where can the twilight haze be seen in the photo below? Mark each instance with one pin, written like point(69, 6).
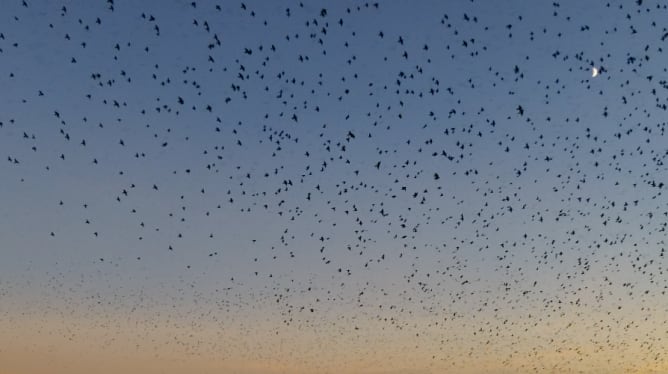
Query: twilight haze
point(333, 186)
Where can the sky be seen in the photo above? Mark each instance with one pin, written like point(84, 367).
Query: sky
point(333, 187)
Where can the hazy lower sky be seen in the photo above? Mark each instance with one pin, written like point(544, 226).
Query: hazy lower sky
point(333, 186)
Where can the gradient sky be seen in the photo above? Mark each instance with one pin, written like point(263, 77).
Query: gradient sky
point(333, 186)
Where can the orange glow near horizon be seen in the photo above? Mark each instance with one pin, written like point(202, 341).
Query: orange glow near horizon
point(83, 346)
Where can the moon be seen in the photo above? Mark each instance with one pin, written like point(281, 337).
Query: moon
point(594, 72)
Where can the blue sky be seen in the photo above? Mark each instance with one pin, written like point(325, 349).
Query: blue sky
point(330, 177)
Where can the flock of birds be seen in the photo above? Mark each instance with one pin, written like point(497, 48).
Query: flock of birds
point(331, 186)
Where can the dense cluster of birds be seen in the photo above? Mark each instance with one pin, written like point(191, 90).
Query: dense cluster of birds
point(440, 185)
